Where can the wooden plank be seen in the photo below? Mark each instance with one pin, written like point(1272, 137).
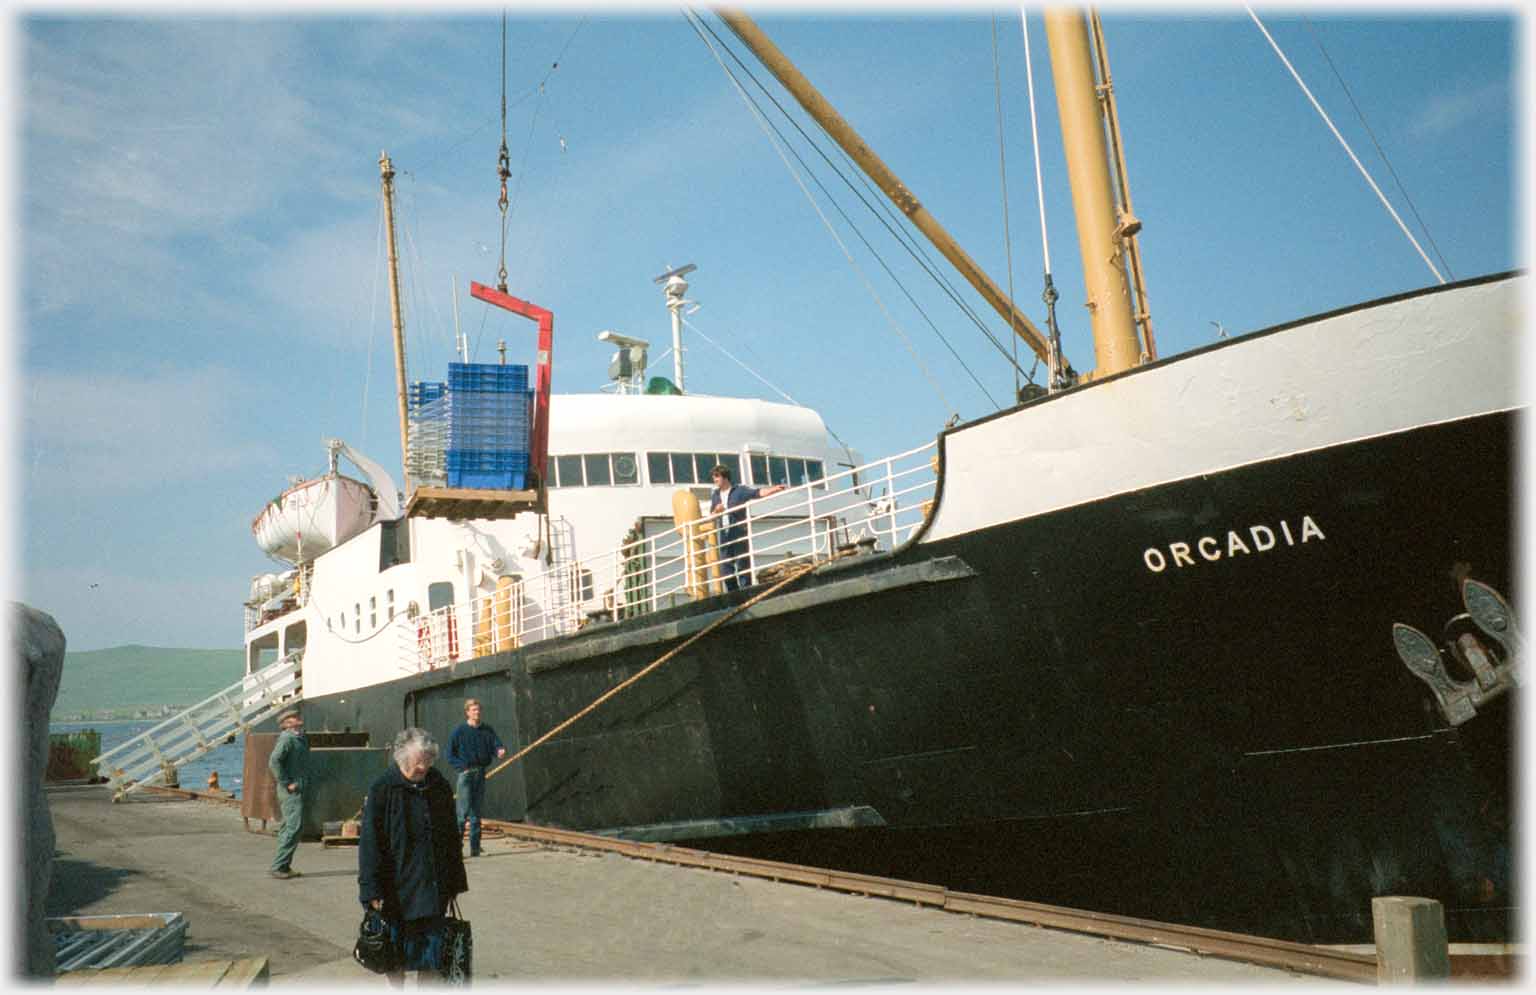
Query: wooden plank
point(68, 924)
point(202, 972)
point(246, 972)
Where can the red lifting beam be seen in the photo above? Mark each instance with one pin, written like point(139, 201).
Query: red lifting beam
point(538, 443)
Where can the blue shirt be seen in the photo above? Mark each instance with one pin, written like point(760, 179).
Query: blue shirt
point(735, 516)
point(472, 746)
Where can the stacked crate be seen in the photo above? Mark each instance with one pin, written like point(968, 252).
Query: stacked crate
point(486, 413)
point(426, 433)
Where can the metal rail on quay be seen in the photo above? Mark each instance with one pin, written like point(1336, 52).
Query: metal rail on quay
point(1302, 958)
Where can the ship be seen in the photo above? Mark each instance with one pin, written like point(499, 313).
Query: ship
point(1222, 638)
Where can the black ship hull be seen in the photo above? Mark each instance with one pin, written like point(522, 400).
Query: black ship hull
point(1179, 701)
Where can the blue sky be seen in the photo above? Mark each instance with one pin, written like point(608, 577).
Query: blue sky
point(198, 288)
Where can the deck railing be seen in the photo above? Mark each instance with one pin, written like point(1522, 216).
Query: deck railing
point(876, 507)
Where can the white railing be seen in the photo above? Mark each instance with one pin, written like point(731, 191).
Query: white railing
point(878, 507)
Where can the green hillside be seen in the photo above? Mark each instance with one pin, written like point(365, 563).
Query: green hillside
point(129, 680)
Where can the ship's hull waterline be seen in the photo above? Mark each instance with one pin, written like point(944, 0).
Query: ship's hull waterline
point(1179, 701)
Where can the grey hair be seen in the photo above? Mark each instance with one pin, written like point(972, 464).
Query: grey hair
point(413, 740)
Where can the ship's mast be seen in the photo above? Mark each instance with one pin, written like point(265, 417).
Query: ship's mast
point(1099, 228)
point(1103, 230)
point(387, 172)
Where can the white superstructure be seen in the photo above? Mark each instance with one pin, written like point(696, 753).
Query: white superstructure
point(415, 592)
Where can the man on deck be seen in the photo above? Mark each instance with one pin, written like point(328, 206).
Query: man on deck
point(734, 553)
point(288, 763)
point(471, 749)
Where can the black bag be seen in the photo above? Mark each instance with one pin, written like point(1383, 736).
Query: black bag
point(375, 949)
point(458, 947)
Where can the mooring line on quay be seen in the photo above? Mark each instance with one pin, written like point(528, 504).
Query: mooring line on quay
point(1302, 958)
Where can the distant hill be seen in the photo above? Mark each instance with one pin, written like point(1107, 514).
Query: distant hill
point(127, 680)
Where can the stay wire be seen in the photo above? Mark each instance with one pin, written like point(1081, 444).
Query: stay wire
point(1379, 150)
point(881, 209)
point(1348, 151)
point(895, 231)
point(1002, 169)
point(869, 287)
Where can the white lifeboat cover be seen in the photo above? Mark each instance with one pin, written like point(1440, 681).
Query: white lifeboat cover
point(313, 516)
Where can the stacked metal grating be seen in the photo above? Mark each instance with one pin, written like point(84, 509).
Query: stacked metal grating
point(486, 413)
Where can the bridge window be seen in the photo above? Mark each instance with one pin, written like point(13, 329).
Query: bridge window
point(593, 470)
point(690, 468)
point(599, 472)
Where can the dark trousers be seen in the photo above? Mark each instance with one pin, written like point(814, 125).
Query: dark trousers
point(735, 568)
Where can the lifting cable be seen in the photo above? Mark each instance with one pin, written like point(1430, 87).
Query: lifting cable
point(1059, 378)
point(789, 579)
point(1351, 152)
point(503, 160)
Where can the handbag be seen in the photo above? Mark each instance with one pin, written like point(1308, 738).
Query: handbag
point(458, 947)
point(375, 949)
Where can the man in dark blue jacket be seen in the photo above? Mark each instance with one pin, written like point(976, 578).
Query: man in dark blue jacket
point(471, 748)
point(409, 866)
point(735, 569)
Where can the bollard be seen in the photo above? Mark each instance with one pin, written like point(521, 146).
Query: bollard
point(1410, 940)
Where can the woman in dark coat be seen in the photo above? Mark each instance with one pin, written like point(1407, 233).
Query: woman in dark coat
point(409, 859)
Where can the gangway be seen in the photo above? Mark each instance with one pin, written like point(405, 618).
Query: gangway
point(148, 757)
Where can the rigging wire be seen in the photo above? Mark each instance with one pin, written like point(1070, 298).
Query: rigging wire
point(772, 134)
point(373, 315)
point(1059, 378)
point(728, 355)
point(881, 209)
point(503, 160)
point(1002, 170)
point(1351, 152)
point(1379, 150)
point(896, 230)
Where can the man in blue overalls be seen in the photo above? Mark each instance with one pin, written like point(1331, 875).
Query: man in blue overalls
point(734, 566)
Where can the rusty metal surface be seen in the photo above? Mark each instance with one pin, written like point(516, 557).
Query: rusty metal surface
point(1303, 958)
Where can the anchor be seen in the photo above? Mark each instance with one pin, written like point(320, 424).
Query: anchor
point(1487, 619)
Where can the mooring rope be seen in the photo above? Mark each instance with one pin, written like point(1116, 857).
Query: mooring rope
point(793, 576)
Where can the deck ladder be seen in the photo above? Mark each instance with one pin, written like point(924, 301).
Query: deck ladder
point(210, 723)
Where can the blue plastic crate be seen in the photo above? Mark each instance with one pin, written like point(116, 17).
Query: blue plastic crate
point(486, 459)
point(487, 376)
point(501, 480)
point(487, 400)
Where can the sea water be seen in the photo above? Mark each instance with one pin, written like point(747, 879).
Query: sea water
point(228, 759)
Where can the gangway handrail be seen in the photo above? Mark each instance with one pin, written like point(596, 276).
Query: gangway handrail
point(202, 727)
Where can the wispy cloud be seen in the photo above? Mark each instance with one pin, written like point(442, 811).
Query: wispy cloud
point(1446, 112)
point(134, 432)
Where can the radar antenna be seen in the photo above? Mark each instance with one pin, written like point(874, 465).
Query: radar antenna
point(675, 286)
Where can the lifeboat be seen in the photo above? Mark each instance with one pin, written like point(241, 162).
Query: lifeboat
point(314, 516)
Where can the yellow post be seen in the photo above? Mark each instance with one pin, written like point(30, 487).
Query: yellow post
point(503, 633)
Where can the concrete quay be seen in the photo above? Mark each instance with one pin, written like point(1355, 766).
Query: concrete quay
point(548, 913)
